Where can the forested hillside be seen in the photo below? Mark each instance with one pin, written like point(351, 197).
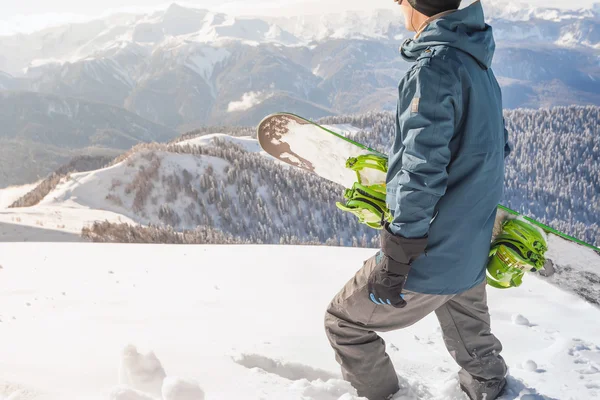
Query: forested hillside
point(212, 182)
point(553, 173)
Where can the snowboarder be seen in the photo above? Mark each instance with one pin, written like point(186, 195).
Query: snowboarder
point(444, 182)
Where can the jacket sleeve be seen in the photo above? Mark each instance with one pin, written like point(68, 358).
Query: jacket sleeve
point(427, 109)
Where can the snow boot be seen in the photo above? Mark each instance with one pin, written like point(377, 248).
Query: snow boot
point(481, 389)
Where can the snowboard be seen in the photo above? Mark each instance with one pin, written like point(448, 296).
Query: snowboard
point(318, 149)
point(321, 150)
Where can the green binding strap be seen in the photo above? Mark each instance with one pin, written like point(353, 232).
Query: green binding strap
point(519, 248)
point(526, 234)
point(371, 161)
point(356, 202)
point(367, 203)
point(549, 229)
point(501, 271)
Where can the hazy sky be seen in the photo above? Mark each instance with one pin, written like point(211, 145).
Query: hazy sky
point(25, 15)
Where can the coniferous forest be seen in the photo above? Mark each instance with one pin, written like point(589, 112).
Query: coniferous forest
point(552, 174)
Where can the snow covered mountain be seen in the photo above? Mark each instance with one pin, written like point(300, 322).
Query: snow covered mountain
point(42, 131)
point(224, 182)
point(215, 68)
point(129, 322)
point(7, 82)
point(217, 181)
point(78, 41)
point(60, 121)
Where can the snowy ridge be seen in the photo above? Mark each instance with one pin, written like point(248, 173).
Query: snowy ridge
point(222, 69)
point(522, 11)
point(113, 193)
point(212, 182)
point(189, 25)
point(246, 142)
point(10, 194)
point(112, 189)
point(129, 322)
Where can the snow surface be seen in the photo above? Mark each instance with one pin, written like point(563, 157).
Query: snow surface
point(88, 190)
point(141, 322)
point(52, 221)
point(246, 142)
point(81, 198)
point(12, 193)
point(125, 322)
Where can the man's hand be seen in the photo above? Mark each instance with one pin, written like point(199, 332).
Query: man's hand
point(387, 280)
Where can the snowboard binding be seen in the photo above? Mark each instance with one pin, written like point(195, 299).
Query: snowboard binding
point(519, 248)
point(372, 161)
point(367, 202)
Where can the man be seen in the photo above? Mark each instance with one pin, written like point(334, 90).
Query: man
point(445, 180)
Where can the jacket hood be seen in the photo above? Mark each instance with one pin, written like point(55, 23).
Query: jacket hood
point(463, 29)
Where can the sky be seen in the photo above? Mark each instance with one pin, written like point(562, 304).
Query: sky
point(30, 15)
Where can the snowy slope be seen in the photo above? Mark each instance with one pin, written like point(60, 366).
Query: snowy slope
point(152, 186)
point(71, 313)
point(10, 194)
point(184, 187)
point(66, 217)
point(89, 190)
point(62, 222)
point(245, 142)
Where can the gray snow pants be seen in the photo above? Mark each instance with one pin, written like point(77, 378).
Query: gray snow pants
point(352, 319)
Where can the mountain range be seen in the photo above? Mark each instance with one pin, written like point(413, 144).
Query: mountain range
point(39, 132)
point(182, 68)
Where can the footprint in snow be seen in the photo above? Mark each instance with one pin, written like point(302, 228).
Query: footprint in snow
point(519, 319)
point(585, 353)
point(589, 370)
point(586, 356)
point(333, 389)
point(412, 391)
point(516, 389)
point(291, 371)
point(308, 382)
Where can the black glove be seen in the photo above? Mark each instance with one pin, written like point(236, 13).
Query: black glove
point(387, 280)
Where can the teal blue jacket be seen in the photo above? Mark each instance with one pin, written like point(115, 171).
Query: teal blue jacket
point(446, 171)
